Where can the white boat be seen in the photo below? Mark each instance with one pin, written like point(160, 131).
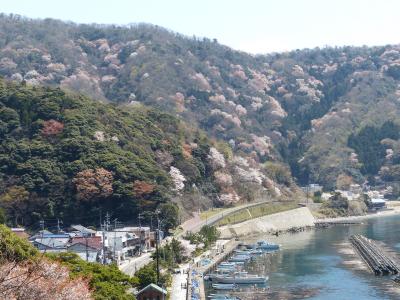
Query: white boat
point(256, 252)
point(227, 265)
point(263, 245)
point(242, 252)
point(240, 278)
point(239, 258)
point(224, 286)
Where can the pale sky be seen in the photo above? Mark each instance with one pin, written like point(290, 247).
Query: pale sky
point(256, 26)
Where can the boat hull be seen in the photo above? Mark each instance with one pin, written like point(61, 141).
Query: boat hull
point(240, 280)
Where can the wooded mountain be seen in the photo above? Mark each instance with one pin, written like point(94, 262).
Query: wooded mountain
point(307, 109)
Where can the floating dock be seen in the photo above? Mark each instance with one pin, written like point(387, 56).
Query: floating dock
point(375, 256)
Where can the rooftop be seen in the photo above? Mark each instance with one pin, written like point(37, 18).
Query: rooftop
point(153, 287)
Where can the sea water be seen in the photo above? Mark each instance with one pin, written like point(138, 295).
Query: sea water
point(314, 264)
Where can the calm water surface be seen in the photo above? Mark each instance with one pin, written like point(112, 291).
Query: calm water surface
point(314, 260)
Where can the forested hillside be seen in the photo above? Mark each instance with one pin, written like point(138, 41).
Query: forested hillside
point(69, 157)
point(302, 109)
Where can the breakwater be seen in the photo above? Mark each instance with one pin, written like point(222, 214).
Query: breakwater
point(374, 255)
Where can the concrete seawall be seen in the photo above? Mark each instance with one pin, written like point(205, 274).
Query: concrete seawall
point(299, 217)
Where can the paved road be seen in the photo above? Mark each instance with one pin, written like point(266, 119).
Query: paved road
point(178, 281)
point(135, 264)
point(195, 224)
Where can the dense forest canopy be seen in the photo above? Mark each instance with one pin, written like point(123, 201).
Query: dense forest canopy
point(66, 156)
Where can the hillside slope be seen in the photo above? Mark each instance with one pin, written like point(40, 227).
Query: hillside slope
point(69, 157)
point(299, 108)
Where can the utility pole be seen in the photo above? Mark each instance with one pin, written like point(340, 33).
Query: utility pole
point(86, 244)
point(107, 221)
point(115, 237)
point(157, 254)
point(140, 233)
point(105, 229)
point(104, 244)
point(58, 226)
point(41, 222)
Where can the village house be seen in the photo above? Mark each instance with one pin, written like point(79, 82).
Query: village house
point(45, 241)
point(151, 292)
point(144, 235)
point(87, 248)
point(80, 230)
point(121, 243)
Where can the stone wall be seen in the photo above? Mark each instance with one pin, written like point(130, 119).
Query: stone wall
point(299, 217)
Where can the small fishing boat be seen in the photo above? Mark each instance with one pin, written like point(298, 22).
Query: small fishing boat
point(240, 278)
point(242, 252)
point(239, 258)
point(222, 297)
point(224, 286)
point(227, 265)
point(250, 246)
point(256, 252)
point(263, 245)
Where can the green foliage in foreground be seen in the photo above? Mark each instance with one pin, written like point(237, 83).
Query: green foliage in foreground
point(13, 248)
point(171, 255)
point(107, 282)
point(148, 274)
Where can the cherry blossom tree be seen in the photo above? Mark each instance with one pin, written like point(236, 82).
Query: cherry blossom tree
point(177, 178)
point(40, 279)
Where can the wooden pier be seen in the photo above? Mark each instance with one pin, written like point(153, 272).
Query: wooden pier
point(202, 270)
point(227, 252)
point(375, 256)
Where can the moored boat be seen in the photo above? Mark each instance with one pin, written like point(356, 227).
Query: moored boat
point(239, 278)
point(224, 286)
point(239, 258)
point(263, 245)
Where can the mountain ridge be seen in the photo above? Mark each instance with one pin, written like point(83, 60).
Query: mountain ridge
point(296, 108)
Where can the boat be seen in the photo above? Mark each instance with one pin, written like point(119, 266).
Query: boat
point(263, 245)
point(250, 246)
point(256, 252)
point(224, 286)
point(240, 258)
point(240, 278)
point(222, 297)
point(219, 272)
point(242, 252)
point(227, 265)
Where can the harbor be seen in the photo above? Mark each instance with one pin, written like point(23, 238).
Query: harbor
point(227, 276)
point(307, 264)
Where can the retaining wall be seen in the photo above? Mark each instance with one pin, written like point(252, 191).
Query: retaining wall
point(299, 217)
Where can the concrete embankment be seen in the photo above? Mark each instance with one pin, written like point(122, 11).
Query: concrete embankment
point(295, 218)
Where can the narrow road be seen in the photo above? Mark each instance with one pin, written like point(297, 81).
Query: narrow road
point(178, 292)
point(134, 264)
point(194, 224)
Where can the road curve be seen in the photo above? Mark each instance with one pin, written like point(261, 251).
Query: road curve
point(195, 226)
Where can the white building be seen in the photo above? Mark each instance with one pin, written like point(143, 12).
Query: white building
point(121, 243)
